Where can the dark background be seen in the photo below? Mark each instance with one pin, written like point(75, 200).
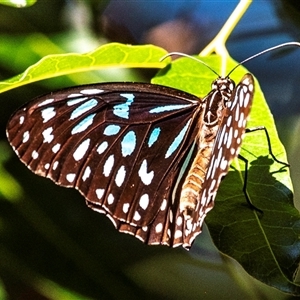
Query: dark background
point(51, 245)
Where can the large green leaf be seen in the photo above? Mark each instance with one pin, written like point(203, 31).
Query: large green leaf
point(107, 56)
point(267, 245)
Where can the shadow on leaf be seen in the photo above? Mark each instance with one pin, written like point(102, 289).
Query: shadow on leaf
point(267, 245)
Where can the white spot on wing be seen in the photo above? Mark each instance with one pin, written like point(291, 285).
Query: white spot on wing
point(76, 101)
point(163, 205)
point(21, 120)
point(110, 199)
point(34, 154)
point(125, 208)
point(171, 216)
point(108, 165)
point(242, 121)
point(120, 176)
point(56, 148)
point(55, 164)
point(229, 140)
point(246, 100)
point(45, 102)
point(81, 150)
point(99, 193)
point(144, 201)
point(47, 134)
point(136, 216)
point(91, 91)
point(70, 177)
point(143, 173)
point(26, 136)
point(224, 164)
point(48, 114)
point(229, 120)
point(178, 234)
point(86, 174)
point(158, 228)
point(74, 95)
point(102, 147)
point(179, 221)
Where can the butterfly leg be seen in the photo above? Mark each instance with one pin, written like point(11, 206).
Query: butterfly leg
point(252, 206)
point(249, 130)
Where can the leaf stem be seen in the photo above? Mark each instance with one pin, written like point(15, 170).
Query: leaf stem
point(217, 45)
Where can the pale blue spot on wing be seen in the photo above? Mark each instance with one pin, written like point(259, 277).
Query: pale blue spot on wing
point(175, 144)
point(77, 100)
point(183, 170)
point(160, 109)
point(128, 143)
point(84, 124)
point(111, 130)
point(154, 136)
point(83, 108)
point(122, 110)
point(129, 97)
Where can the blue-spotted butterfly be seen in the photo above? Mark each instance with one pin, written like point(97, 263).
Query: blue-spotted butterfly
point(149, 157)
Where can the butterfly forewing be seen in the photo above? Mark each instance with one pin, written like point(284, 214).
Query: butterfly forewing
point(119, 144)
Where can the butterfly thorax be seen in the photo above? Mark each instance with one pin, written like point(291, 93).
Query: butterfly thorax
point(215, 104)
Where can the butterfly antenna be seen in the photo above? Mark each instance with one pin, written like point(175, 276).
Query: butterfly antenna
point(189, 56)
point(263, 52)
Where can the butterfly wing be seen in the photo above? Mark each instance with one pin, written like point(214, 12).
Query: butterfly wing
point(121, 145)
point(229, 139)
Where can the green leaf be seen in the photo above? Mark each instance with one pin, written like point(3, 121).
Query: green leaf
point(267, 245)
point(18, 3)
point(107, 56)
point(9, 187)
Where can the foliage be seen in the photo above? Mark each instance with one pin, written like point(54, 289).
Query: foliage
point(83, 249)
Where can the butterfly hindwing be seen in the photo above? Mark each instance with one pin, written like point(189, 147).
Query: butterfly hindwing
point(229, 138)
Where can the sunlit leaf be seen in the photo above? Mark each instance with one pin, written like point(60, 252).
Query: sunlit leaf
point(18, 3)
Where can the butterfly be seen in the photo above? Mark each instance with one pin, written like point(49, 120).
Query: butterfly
point(149, 157)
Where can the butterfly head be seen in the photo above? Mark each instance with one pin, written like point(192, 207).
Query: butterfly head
point(225, 86)
point(217, 99)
